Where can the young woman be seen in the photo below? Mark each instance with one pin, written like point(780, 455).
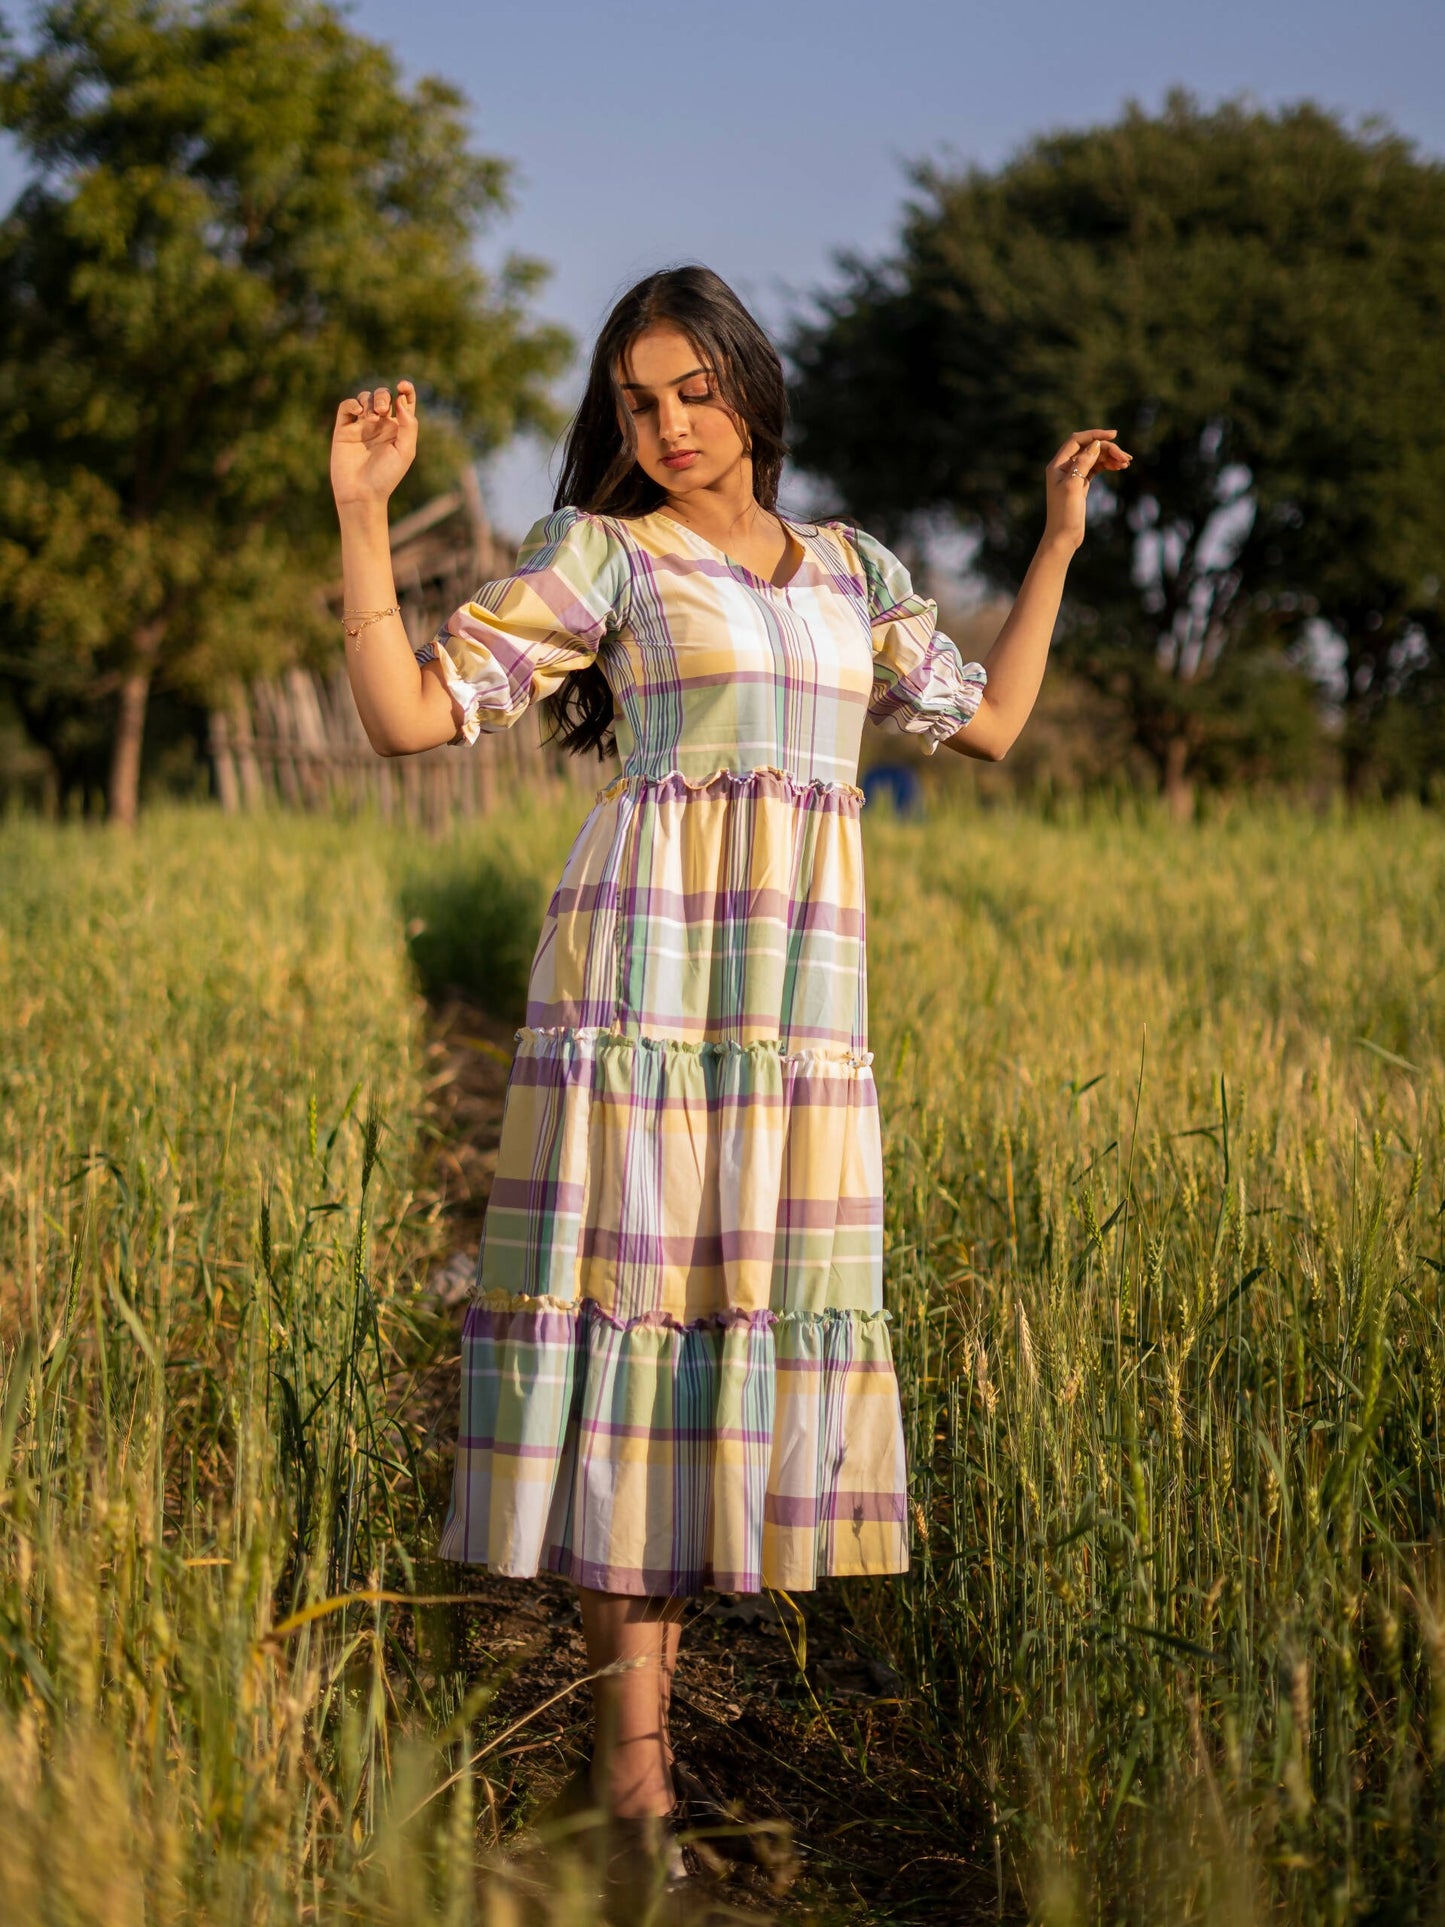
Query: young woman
point(676, 1368)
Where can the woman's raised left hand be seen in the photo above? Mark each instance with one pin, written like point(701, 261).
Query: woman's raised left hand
point(373, 444)
point(1087, 454)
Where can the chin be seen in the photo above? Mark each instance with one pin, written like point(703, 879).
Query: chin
point(683, 482)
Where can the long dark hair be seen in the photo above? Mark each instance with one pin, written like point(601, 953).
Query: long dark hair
point(600, 471)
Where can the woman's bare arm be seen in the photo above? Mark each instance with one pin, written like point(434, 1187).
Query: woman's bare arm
point(1015, 664)
point(403, 707)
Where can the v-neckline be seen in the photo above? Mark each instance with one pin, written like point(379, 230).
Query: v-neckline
point(761, 581)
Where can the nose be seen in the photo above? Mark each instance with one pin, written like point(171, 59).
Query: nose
point(672, 422)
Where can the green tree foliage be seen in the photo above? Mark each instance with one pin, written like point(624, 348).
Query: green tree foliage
point(236, 210)
point(1257, 303)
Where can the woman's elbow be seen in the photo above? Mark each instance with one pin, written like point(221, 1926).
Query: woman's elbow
point(987, 745)
point(990, 745)
point(392, 743)
point(383, 742)
point(411, 738)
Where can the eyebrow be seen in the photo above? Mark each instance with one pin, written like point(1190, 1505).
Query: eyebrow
point(642, 387)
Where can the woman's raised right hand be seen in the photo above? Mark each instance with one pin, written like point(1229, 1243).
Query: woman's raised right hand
point(373, 444)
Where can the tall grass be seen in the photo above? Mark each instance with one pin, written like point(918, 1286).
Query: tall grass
point(1165, 1239)
point(207, 1253)
point(1165, 1245)
point(474, 901)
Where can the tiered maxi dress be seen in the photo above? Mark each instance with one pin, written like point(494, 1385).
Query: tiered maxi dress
point(676, 1369)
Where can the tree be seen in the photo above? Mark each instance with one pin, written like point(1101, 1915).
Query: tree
point(236, 210)
point(1255, 301)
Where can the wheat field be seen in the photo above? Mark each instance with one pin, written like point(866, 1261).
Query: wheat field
point(1165, 1217)
point(1166, 1228)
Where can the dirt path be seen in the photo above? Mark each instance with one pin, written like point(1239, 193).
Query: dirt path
point(829, 1757)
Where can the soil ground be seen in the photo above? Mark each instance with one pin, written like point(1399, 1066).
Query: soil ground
point(788, 1718)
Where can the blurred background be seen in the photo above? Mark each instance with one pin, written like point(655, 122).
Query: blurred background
point(970, 232)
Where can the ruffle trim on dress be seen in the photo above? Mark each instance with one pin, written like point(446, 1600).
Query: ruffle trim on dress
point(554, 1040)
point(485, 699)
point(933, 701)
point(731, 1318)
point(768, 1452)
point(813, 792)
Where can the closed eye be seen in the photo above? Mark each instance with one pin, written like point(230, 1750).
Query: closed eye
point(696, 396)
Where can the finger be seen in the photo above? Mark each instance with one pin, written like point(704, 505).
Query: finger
point(1093, 458)
point(347, 413)
point(1074, 470)
point(1080, 439)
point(1075, 456)
point(381, 401)
point(1105, 458)
point(406, 394)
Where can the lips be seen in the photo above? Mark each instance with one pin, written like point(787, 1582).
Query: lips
point(683, 459)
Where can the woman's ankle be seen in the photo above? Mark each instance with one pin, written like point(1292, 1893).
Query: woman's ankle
point(639, 1800)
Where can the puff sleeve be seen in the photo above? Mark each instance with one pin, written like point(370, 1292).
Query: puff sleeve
point(921, 684)
point(520, 636)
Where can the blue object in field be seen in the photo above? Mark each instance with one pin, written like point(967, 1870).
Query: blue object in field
point(898, 783)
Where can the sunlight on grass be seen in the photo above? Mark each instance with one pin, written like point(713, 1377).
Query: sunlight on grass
point(1164, 1246)
point(1164, 1256)
point(210, 1096)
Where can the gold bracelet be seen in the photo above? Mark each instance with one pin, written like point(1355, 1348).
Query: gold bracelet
point(353, 621)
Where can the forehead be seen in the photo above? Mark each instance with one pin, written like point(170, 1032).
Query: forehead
point(660, 355)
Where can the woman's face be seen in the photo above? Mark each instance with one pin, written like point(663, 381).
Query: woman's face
point(687, 438)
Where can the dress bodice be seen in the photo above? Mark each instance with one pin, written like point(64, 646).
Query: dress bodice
point(717, 669)
point(711, 668)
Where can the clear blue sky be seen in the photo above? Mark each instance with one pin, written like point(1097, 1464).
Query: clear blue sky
point(763, 135)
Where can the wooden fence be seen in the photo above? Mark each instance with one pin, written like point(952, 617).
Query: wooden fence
point(297, 743)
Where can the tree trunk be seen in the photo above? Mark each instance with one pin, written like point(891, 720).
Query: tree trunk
point(123, 801)
point(1178, 784)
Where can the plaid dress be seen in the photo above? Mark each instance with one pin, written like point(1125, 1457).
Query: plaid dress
point(676, 1370)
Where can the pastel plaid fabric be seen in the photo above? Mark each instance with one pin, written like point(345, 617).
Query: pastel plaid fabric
point(686, 1179)
point(676, 1369)
point(737, 1451)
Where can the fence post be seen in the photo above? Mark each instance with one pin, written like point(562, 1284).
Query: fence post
point(228, 789)
point(253, 785)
